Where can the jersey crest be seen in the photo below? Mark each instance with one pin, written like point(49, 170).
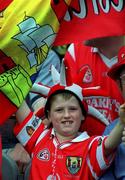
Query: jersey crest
point(85, 74)
point(44, 155)
point(73, 164)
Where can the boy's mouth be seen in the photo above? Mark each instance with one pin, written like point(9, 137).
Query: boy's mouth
point(67, 122)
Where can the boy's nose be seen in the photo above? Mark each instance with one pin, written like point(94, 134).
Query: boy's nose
point(66, 113)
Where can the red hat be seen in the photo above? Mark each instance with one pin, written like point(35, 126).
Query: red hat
point(74, 89)
point(114, 71)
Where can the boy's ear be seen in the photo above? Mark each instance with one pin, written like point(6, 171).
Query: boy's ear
point(46, 122)
point(49, 116)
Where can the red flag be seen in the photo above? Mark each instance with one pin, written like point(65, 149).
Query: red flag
point(91, 19)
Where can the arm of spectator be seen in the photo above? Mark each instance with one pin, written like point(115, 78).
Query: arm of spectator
point(123, 137)
point(20, 156)
point(115, 137)
point(22, 112)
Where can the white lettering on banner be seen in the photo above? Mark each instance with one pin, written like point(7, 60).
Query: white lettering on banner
point(97, 5)
point(103, 102)
point(106, 114)
point(83, 11)
point(108, 107)
point(106, 5)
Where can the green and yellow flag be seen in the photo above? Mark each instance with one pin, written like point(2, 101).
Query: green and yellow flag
point(27, 31)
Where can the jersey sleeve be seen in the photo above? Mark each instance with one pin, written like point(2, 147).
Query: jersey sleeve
point(96, 160)
point(28, 131)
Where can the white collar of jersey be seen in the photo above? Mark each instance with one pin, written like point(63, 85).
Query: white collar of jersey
point(81, 137)
point(53, 134)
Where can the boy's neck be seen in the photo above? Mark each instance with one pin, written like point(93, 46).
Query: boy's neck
point(62, 139)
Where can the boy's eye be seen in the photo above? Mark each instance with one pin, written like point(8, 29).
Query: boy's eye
point(73, 108)
point(59, 110)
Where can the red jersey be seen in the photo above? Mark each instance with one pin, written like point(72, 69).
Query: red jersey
point(80, 158)
point(92, 70)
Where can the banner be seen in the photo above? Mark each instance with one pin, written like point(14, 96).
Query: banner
point(29, 29)
point(87, 19)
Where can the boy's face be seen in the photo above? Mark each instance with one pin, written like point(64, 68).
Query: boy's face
point(66, 116)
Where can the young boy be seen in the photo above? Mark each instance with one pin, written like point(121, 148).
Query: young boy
point(60, 151)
